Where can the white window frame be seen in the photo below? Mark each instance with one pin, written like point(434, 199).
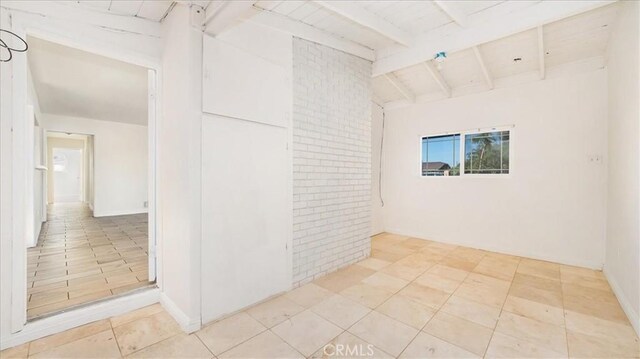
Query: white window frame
point(463, 138)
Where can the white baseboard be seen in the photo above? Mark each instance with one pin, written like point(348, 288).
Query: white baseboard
point(60, 322)
point(188, 325)
point(531, 255)
point(120, 212)
point(633, 316)
point(67, 198)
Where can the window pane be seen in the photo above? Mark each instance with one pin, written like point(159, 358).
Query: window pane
point(441, 155)
point(487, 153)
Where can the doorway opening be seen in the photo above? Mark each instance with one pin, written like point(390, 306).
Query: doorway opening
point(91, 142)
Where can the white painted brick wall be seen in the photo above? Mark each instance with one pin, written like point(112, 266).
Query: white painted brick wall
point(331, 159)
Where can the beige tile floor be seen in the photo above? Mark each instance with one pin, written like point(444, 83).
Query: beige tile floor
point(79, 258)
point(411, 299)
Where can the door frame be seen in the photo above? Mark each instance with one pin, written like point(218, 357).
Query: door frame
point(22, 183)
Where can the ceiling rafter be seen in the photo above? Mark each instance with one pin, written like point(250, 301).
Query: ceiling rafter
point(541, 52)
point(524, 16)
point(363, 17)
point(483, 67)
point(449, 8)
point(402, 88)
point(221, 15)
point(437, 76)
point(308, 32)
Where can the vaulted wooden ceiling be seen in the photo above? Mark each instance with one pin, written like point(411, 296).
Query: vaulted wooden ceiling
point(489, 43)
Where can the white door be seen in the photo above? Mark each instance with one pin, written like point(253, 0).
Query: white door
point(245, 211)
point(67, 175)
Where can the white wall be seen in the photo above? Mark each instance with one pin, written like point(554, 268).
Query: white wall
point(377, 223)
point(331, 159)
point(121, 156)
point(39, 175)
point(246, 168)
point(551, 206)
point(622, 265)
point(179, 164)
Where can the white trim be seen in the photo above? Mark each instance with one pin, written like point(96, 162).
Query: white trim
point(39, 328)
point(152, 113)
point(189, 325)
point(122, 212)
point(541, 65)
point(21, 158)
point(633, 316)
point(23, 24)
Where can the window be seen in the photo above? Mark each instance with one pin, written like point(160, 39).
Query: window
point(481, 152)
point(441, 155)
point(486, 152)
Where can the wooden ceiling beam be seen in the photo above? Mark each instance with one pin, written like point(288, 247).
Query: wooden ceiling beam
point(222, 15)
point(485, 26)
point(483, 67)
point(308, 32)
point(402, 88)
point(541, 52)
point(452, 12)
point(437, 76)
point(355, 13)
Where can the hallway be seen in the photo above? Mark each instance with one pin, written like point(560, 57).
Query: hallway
point(80, 258)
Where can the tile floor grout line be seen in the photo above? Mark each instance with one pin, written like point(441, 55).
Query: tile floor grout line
point(115, 337)
point(493, 332)
point(438, 310)
point(195, 334)
point(244, 341)
point(564, 316)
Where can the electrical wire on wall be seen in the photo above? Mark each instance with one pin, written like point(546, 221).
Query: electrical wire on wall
point(7, 38)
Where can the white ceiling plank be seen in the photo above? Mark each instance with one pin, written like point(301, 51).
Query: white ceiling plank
point(541, 52)
point(307, 32)
point(154, 10)
point(69, 11)
point(437, 76)
point(402, 89)
point(377, 99)
point(126, 7)
point(368, 19)
point(483, 27)
point(96, 4)
point(454, 14)
point(220, 17)
point(268, 4)
point(483, 66)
